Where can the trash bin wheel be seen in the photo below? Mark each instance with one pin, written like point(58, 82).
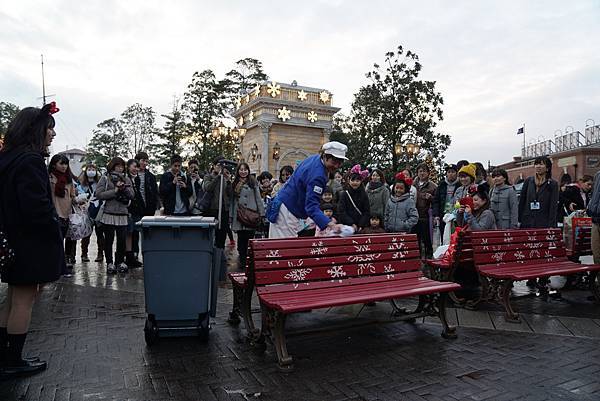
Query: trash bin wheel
point(204, 327)
point(150, 331)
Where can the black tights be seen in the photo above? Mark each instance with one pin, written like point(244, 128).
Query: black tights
point(244, 236)
point(109, 236)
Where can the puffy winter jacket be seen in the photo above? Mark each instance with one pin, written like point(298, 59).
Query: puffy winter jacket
point(401, 214)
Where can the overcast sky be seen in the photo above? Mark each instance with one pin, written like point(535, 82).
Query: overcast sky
point(498, 64)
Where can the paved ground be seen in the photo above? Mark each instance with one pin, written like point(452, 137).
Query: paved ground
point(89, 328)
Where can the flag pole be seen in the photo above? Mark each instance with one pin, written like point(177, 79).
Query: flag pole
point(523, 140)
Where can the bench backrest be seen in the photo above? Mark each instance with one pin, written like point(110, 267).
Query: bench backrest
point(302, 260)
point(526, 246)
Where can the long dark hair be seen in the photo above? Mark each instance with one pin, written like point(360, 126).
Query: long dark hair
point(284, 169)
point(251, 181)
point(28, 130)
point(60, 158)
point(483, 196)
point(546, 161)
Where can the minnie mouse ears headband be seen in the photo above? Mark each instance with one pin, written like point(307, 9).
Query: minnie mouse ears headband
point(362, 173)
point(45, 111)
point(401, 177)
point(49, 108)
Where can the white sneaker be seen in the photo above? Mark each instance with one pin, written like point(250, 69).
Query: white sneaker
point(123, 268)
point(111, 269)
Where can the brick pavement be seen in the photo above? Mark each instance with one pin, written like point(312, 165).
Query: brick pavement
point(89, 328)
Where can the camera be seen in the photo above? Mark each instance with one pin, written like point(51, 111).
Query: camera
point(229, 165)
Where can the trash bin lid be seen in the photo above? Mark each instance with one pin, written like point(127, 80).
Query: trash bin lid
point(178, 221)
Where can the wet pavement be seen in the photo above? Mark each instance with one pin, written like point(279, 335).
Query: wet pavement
point(90, 329)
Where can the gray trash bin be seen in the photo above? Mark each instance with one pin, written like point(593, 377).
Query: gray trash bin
point(180, 275)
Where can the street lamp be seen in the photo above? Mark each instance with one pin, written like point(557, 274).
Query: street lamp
point(276, 150)
point(254, 152)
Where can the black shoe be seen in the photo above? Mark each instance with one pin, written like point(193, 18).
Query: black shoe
point(68, 272)
point(23, 367)
point(532, 283)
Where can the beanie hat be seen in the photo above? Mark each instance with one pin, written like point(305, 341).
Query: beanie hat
point(326, 206)
point(469, 170)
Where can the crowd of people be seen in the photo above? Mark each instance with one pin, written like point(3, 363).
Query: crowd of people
point(315, 199)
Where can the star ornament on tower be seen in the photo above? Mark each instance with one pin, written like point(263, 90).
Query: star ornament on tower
point(312, 116)
point(250, 116)
point(302, 96)
point(273, 89)
point(324, 96)
point(283, 114)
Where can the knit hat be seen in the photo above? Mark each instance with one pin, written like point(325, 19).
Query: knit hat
point(469, 170)
point(326, 206)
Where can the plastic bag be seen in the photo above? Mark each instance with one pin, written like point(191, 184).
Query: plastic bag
point(436, 237)
point(80, 225)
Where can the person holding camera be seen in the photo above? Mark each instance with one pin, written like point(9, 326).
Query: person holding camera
point(196, 181)
point(117, 192)
point(221, 170)
point(175, 190)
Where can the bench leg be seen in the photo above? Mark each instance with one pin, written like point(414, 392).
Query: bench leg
point(484, 295)
point(234, 315)
point(275, 327)
point(595, 285)
point(246, 309)
point(449, 332)
point(504, 298)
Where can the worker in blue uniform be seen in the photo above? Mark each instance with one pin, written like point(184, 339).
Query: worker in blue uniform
point(301, 195)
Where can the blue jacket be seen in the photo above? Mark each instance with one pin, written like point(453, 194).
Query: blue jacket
point(301, 194)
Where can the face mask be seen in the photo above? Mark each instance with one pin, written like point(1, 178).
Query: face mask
point(91, 173)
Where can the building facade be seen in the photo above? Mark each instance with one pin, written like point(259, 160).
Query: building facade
point(285, 123)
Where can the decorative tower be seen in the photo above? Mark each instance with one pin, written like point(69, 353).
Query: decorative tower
point(284, 123)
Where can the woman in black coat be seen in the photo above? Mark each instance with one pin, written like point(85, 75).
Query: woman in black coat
point(29, 221)
point(353, 207)
point(538, 203)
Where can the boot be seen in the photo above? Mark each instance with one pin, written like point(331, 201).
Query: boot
point(14, 364)
point(4, 349)
point(131, 261)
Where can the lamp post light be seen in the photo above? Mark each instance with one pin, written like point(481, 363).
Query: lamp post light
point(254, 152)
point(276, 150)
point(229, 136)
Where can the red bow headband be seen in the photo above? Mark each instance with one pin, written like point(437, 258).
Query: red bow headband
point(401, 177)
point(356, 170)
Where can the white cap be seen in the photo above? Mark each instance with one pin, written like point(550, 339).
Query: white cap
point(335, 149)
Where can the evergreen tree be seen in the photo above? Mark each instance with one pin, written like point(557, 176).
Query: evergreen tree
point(396, 107)
point(202, 107)
point(246, 74)
point(108, 141)
point(171, 140)
point(8, 111)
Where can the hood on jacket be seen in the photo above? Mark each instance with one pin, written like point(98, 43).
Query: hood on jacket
point(455, 182)
point(401, 198)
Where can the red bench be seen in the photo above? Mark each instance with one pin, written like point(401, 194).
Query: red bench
point(504, 256)
point(297, 275)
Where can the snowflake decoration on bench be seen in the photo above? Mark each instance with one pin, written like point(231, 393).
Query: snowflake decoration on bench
point(498, 256)
point(297, 274)
point(318, 251)
point(312, 116)
point(283, 114)
point(389, 270)
point(368, 267)
point(519, 255)
point(336, 272)
point(273, 253)
point(273, 89)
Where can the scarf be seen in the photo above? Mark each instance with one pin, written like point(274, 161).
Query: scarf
point(375, 185)
point(61, 183)
point(239, 185)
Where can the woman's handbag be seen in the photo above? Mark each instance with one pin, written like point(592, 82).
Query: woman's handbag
point(80, 225)
point(248, 217)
